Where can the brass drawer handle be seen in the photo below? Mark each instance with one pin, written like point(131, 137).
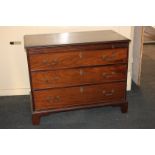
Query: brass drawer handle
point(108, 58)
point(45, 62)
point(49, 99)
point(55, 99)
point(113, 73)
point(104, 57)
point(52, 79)
point(53, 62)
point(106, 75)
point(108, 93)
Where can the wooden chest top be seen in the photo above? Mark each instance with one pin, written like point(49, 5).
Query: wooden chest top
point(67, 38)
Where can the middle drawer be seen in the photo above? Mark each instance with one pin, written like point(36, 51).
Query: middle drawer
point(74, 77)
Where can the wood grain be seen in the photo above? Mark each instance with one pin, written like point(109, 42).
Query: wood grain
point(81, 76)
point(53, 61)
point(70, 97)
point(70, 38)
point(78, 74)
point(76, 47)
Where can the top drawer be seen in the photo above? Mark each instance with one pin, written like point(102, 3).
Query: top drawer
point(60, 60)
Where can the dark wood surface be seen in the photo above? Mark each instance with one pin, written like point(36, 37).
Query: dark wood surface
point(72, 96)
point(52, 61)
point(77, 47)
point(72, 38)
point(78, 75)
point(81, 76)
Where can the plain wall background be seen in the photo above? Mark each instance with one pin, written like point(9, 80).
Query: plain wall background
point(14, 79)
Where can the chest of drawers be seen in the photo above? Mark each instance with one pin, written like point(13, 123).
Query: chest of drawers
point(76, 70)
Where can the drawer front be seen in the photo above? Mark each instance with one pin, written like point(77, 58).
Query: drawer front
point(52, 61)
point(73, 77)
point(76, 96)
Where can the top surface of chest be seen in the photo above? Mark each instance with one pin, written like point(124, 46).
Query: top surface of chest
point(73, 38)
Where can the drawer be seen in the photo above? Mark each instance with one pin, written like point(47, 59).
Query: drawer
point(52, 61)
point(80, 76)
point(76, 96)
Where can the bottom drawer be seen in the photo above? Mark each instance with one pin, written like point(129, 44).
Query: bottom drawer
point(78, 96)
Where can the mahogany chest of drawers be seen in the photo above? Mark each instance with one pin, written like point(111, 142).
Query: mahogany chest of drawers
point(76, 70)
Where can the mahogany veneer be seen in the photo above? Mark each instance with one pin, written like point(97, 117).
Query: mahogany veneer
point(87, 71)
